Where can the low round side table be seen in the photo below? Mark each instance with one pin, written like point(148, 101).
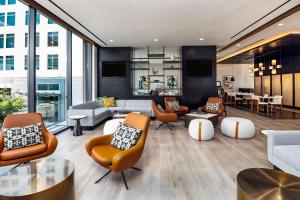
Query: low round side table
point(267, 184)
point(77, 127)
point(45, 179)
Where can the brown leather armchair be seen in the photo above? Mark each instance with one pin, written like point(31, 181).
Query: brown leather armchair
point(182, 111)
point(215, 100)
point(26, 154)
point(165, 117)
point(114, 159)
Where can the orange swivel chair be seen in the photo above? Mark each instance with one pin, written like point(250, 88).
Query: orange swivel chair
point(165, 117)
point(215, 100)
point(26, 154)
point(114, 159)
point(183, 109)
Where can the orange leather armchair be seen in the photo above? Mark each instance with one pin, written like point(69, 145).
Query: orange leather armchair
point(182, 111)
point(215, 100)
point(26, 154)
point(114, 159)
point(164, 117)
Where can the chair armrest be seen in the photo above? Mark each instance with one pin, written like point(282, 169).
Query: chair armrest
point(169, 110)
point(276, 138)
point(127, 158)
point(51, 142)
point(202, 108)
point(184, 108)
point(1, 142)
point(97, 141)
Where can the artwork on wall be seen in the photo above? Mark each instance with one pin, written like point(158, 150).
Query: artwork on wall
point(144, 82)
point(171, 82)
point(228, 82)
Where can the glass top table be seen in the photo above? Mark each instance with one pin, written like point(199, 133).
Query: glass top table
point(41, 179)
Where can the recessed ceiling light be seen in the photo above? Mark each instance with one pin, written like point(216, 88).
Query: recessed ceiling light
point(111, 40)
point(238, 45)
point(201, 39)
point(155, 40)
point(280, 24)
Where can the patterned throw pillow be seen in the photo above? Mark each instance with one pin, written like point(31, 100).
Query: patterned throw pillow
point(109, 102)
point(99, 101)
point(125, 137)
point(160, 108)
point(174, 105)
point(19, 137)
point(212, 107)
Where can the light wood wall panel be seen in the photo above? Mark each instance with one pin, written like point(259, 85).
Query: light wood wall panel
point(287, 89)
point(258, 85)
point(297, 90)
point(276, 85)
point(266, 85)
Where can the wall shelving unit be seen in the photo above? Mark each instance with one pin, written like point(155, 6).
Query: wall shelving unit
point(156, 71)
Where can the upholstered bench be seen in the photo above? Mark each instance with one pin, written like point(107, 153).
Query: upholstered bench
point(237, 127)
point(201, 129)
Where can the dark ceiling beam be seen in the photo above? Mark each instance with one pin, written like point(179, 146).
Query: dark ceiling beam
point(264, 26)
point(58, 20)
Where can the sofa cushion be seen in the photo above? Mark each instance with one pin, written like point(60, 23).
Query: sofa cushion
point(109, 102)
point(121, 103)
point(174, 105)
point(19, 137)
point(101, 112)
point(288, 154)
point(85, 106)
point(23, 152)
point(104, 153)
point(138, 103)
point(125, 137)
point(142, 110)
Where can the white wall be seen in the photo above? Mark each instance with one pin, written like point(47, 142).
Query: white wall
point(240, 73)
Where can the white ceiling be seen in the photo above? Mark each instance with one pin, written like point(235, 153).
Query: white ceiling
point(136, 23)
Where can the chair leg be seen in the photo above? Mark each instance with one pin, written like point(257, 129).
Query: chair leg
point(124, 180)
point(138, 169)
point(102, 177)
point(170, 126)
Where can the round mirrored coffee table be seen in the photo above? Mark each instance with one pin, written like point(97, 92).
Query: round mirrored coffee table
point(46, 179)
point(267, 184)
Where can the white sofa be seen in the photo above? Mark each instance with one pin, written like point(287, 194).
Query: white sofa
point(284, 150)
point(96, 114)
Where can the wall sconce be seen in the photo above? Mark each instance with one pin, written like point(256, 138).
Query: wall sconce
point(256, 69)
point(274, 62)
point(274, 71)
point(279, 66)
point(270, 67)
point(262, 68)
point(260, 65)
point(261, 73)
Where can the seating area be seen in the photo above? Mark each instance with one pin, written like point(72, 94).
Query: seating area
point(187, 100)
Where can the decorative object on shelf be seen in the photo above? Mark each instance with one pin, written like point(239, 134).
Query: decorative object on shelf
point(154, 93)
point(154, 70)
point(227, 83)
point(232, 78)
point(156, 81)
point(144, 82)
point(171, 81)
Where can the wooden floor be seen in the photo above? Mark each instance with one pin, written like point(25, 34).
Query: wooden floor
point(174, 166)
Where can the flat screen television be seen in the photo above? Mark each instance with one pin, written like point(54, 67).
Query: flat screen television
point(113, 69)
point(199, 68)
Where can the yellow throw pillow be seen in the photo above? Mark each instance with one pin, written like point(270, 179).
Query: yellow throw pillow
point(109, 102)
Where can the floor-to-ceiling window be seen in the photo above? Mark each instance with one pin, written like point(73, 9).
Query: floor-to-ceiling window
point(51, 72)
point(77, 70)
point(13, 75)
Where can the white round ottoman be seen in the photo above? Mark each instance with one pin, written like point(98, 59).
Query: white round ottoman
point(237, 127)
point(111, 126)
point(201, 129)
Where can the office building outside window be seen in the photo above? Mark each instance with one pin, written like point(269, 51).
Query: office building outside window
point(2, 2)
point(52, 61)
point(52, 39)
point(2, 19)
point(10, 63)
point(50, 21)
point(10, 40)
point(11, 2)
point(1, 63)
point(1, 41)
point(37, 62)
point(37, 39)
point(11, 19)
point(38, 18)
